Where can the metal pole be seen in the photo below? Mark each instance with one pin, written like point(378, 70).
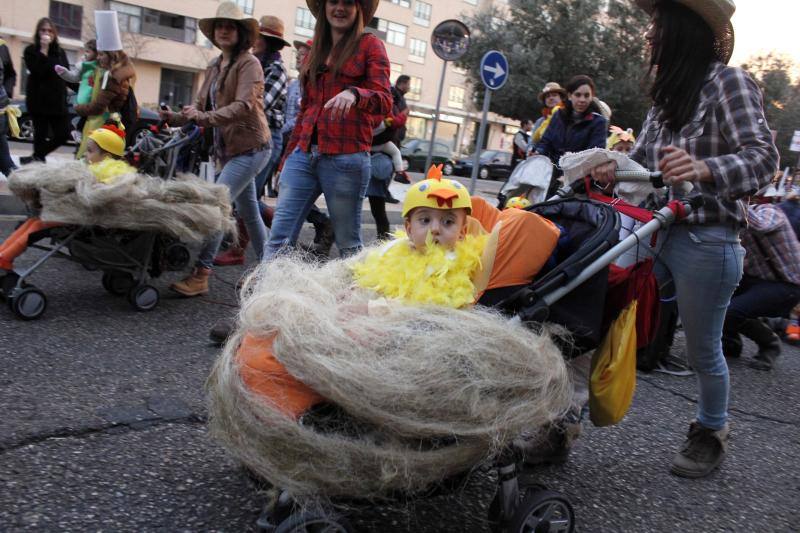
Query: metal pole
point(435, 120)
point(487, 97)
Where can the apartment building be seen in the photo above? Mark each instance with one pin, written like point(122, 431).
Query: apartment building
point(170, 53)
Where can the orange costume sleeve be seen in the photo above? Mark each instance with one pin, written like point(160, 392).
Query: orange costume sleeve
point(524, 242)
point(266, 376)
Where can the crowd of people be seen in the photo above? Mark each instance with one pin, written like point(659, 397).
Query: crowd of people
point(335, 131)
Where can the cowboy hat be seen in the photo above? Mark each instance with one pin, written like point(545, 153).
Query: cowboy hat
point(552, 87)
point(230, 11)
point(716, 13)
point(272, 28)
point(303, 44)
point(368, 8)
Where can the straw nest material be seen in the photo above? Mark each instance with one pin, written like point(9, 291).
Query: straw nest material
point(186, 208)
point(428, 392)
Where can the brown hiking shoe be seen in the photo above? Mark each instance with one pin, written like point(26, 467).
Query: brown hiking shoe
point(702, 451)
point(194, 284)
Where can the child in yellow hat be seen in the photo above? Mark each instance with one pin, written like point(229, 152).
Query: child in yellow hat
point(620, 140)
point(455, 247)
point(104, 151)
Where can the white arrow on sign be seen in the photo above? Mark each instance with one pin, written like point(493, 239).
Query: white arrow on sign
point(496, 70)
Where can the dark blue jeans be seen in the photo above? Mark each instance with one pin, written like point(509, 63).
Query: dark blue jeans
point(755, 298)
point(6, 163)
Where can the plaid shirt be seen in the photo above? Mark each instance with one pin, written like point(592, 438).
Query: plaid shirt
point(773, 251)
point(275, 82)
point(368, 73)
point(729, 132)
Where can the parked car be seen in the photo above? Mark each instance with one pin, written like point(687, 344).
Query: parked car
point(415, 152)
point(147, 118)
point(493, 164)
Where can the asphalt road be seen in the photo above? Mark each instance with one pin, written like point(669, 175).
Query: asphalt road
point(103, 429)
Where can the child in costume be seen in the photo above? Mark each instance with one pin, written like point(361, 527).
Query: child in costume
point(620, 140)
point(82, 73)
point(453, 249)
point(104, 151)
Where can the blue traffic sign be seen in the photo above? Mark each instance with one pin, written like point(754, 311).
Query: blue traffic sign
point(494, 70)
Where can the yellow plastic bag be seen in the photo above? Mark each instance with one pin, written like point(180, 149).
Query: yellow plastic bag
point(613, 376)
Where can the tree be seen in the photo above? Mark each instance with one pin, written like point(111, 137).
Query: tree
point(781, 99)
point(553, 40)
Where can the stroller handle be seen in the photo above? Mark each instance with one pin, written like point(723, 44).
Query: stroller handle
point(655, 178)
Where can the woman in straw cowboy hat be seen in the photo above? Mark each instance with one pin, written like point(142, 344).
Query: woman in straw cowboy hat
point(345, 96)
point(230, 102)
point(706, 128)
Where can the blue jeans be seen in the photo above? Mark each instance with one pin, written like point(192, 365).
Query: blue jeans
point(6, 163)
point(272, 164)
point(341, 178)
point(705, 263)
point(238, 175)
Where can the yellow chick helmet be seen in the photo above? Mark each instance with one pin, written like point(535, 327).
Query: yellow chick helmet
point(437, 193)
point(109, 138)
point(619, 135)
point(517, 202)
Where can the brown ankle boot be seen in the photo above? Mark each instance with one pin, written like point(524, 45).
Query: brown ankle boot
point(194, 284)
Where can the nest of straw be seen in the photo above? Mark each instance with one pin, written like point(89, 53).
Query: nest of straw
point(427, 392)
point(186, 207)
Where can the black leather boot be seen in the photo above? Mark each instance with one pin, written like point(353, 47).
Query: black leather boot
point(769, 344)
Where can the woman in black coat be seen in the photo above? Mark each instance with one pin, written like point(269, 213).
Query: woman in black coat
point(45, 91)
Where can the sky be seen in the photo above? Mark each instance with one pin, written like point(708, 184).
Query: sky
point(762, 26)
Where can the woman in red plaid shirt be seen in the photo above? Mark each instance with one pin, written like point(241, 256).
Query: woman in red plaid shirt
point(345, 96)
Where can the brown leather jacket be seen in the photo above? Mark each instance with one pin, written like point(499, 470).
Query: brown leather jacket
point(113, 93)
point(240, 112)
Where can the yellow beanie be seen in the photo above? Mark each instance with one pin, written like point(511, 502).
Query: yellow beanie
point(109, 138)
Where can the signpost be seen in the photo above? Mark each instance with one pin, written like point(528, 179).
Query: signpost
point(450, 41)
point(494, 74)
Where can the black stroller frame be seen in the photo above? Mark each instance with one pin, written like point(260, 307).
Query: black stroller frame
point(128, 259)
point(520, 506)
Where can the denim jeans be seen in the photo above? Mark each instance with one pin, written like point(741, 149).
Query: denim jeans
point(238, 175)
point(756, 298)
point(341, 178)
point(6, 163)
point(272, 163)
point(705, 264)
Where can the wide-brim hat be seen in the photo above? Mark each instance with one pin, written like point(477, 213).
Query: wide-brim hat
point(272, 28)
point(232, 12)
point(303, 44)
point(368, 8)
point(552, 87)
point(716, 13)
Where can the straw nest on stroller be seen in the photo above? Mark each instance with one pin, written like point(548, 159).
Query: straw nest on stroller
point(186, 208)
point(427, 392)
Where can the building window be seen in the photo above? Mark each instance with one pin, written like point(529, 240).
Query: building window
point(401, 3)
point(455, 98)
point(422, 13)
point(68, 19)
point(246, 5)
point(392, 32)
point(417, 49)
point(130, 17)
point(415, 89)
point(169, 26)
point(395, 70)
point(304, 22)
point(175, 89)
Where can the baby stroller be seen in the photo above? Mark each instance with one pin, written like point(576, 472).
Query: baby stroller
point(531, 179)
point(127, 259)
point(572, 294)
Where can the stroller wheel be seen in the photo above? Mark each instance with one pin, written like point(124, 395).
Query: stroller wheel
point(143, 297)
point(28, 303)
point(543, 511)
point(314, 520)
point(7, 284)
point(117, 283)
point(177, 256)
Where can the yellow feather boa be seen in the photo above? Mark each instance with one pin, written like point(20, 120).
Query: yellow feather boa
point(109, 168)
point(434, 276)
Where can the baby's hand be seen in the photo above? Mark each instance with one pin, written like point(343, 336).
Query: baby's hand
point(60, 70)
